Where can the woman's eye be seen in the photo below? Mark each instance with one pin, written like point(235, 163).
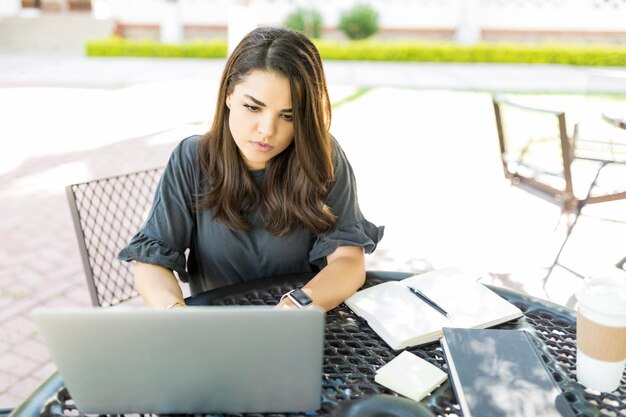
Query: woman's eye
point(251, 108)
point(288, 117)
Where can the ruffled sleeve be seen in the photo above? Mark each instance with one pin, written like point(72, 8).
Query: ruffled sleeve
point(170, 225)
point(351, 228)
point(150, 250)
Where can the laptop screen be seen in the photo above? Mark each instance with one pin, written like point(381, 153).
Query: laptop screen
point(194, 360)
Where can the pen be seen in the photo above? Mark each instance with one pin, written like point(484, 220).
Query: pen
point(428, 301)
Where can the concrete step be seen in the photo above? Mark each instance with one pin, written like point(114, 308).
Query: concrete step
point(60, 33)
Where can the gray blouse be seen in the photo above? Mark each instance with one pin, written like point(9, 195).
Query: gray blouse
point(219, 256)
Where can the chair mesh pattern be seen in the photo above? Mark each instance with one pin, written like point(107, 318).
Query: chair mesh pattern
point(353, 353)
point(109, 212)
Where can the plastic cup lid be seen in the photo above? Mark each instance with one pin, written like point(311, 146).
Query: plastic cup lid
point(605, 295)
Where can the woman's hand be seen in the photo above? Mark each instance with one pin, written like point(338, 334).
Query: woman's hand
point(343, 275)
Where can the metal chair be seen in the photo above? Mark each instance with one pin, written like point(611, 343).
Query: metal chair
point(106, 214)
point(538, 155)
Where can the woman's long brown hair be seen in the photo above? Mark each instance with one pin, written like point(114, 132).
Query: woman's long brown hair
point(297, 179)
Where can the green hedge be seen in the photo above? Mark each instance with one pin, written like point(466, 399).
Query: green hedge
point(116, 46)
point(407, 51)
point(403, 51)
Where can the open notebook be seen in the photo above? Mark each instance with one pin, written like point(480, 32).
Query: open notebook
point(402, 319)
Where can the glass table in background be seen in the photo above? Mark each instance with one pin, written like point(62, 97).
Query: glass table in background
point(353, 352)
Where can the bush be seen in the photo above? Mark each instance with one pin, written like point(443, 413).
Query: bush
point(307, 21)
point(369, 50)
point(414, 51)
point(116, 46)
point(360, 22)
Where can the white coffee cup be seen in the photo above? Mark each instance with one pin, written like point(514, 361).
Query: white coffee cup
point(601, 333)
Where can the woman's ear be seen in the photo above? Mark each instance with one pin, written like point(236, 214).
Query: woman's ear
point(228, 101)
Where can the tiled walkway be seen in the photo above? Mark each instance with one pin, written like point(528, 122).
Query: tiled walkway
point(426, 162)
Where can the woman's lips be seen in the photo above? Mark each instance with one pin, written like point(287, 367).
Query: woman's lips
point(262, 147)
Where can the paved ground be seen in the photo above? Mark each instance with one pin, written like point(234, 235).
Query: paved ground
point(39, 70)
point(422, 143)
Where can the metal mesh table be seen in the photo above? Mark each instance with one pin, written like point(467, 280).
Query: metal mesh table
point(353, 352)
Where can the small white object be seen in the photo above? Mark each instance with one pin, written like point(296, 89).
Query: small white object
point(410, 376)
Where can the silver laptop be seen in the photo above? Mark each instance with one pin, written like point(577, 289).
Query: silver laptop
point(193, 360)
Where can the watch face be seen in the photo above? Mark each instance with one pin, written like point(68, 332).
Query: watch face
point(301, 297)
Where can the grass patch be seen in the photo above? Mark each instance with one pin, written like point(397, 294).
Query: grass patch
point(360, 92)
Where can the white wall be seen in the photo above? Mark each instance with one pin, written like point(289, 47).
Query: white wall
point(10, 7)
point(540, 15)
point(571, 15)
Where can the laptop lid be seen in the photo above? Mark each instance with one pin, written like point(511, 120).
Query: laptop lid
point(194, 360)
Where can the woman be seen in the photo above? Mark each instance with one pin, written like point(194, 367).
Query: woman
point(266, 192)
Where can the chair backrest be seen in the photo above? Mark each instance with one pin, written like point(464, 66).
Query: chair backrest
point(537, 152)
point(106, 214)
point(535, 149)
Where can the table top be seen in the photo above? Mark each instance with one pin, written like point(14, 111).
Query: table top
point(353, 352)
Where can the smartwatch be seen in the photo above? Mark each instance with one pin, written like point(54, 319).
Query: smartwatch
point(298, 297)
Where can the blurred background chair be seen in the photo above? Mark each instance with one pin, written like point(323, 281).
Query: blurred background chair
point(621, 264)
point(601, 132)
point(539, 155)
point(106, 214)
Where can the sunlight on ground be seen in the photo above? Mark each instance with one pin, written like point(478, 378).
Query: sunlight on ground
point(54, 179)
point(426, 161)
point(49, 121)
point(428, 168)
